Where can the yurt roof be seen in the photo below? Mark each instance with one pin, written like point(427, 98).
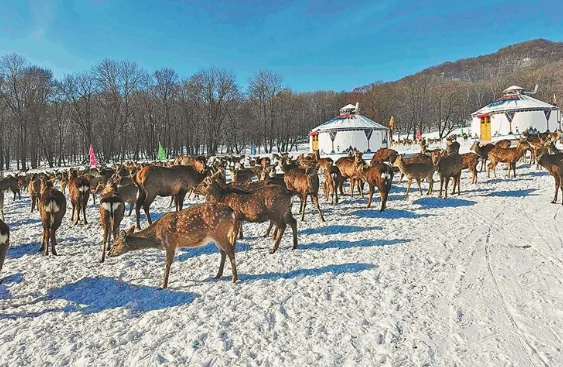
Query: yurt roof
point(515, 102)
point(349, 122)
point(513, 88)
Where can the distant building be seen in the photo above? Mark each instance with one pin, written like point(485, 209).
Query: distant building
point(513, 113)
point(348, 130)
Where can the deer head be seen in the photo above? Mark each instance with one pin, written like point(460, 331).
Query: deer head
point(120, 245)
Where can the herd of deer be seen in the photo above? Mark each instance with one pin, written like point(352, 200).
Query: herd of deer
point(255, 194)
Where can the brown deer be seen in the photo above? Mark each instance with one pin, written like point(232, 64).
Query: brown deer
point(195, 226)
point(347, 167)
point(506, 155)
point(333, 179)
point(449, 166)
point(4, 241)
point(112, 209)
point(10, 183)
point(378, 175)
point(270, 202)
point(79, 193)
point(482, 152)
point(164, 181)
point(505, 143)
point(470, 162)
point(384, 155)
point(52, 207)
point(303, 182)
point(34, 189)
point(452, 146)
point(129, 195)
point(417, 171)
point(554, 165)
point(415, 158)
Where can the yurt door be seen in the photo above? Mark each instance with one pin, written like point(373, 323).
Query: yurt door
point(315, 142)
point(485, 128)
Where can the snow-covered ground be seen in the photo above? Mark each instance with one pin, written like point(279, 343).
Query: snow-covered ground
point(474, 280)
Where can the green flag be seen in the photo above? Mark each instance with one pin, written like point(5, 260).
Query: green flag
point(161, 152)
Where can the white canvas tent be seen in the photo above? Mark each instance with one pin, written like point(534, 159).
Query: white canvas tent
point(512, 114)
point(348, 129)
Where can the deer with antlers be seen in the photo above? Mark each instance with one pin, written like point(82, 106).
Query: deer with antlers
point(193, 227)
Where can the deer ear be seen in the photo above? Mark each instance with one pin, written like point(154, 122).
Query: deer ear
point(122, 235)
point(129, 231)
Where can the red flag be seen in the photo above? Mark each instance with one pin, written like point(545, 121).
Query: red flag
point(93, 161)
point(418, 134)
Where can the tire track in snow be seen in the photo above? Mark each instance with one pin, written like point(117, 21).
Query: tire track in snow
point(524, 342)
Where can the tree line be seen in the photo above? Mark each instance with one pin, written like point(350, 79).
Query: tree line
point(125, 111)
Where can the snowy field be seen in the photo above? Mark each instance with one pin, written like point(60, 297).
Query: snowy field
point(474, 280)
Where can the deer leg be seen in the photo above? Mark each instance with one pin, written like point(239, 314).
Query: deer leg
point(409, 182)
point(303, 205)
point(335, 193)
point(72, 215)
point(514, 169)
point(130, 209)
point(221, 264)
point(84, 210)
point(557, 184)
point(240, 235)
point(170, 252)
point(180, 200)
point(42, 245)
point(172, 201)
point(281, 229)
point(146, 206)
point(315, 199)
point(53, 242)
point(401, 178)
point(47, 236)
point(267, 233)
point(430, 185)
point(370, 196)
point(419, 187)
point(140, 201)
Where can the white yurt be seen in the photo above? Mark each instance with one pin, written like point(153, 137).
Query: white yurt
point(512, 114)
point(348, 130)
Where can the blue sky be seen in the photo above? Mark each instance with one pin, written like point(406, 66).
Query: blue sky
point(314, 45)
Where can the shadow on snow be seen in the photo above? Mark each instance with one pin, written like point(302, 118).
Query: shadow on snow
point(435, 202)
point(337, 229)
point(348, 268)
point(92, 295)
point(13, 278)
point(512, 193)
point(342, 244)
point(388, 213)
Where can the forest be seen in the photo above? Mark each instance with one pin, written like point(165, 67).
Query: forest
point(124, 111)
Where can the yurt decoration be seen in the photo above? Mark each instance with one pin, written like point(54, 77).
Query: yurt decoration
point(349, 130)
point(514, 113)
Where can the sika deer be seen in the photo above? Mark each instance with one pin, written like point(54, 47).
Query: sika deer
point(384, 155)
point(449, 167)
point(554, 165)
point(4, 241)
point(10, 183)
point(482, 152)
point(506, 155)
point(470, 162)
point(79, 193)
point(34, 189)
point(417, 171)
point(112, 209)
point(195, 226)
point(347, 167)
point(303, 182)
point(378, 175)
point(164, 181)
point(52, 207)
point(269, 202)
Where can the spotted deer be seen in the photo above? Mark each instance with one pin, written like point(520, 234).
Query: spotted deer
point(193, 227)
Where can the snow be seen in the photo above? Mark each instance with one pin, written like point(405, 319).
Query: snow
point(473, 280)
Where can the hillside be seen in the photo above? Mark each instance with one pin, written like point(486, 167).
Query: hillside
point(529, 55)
